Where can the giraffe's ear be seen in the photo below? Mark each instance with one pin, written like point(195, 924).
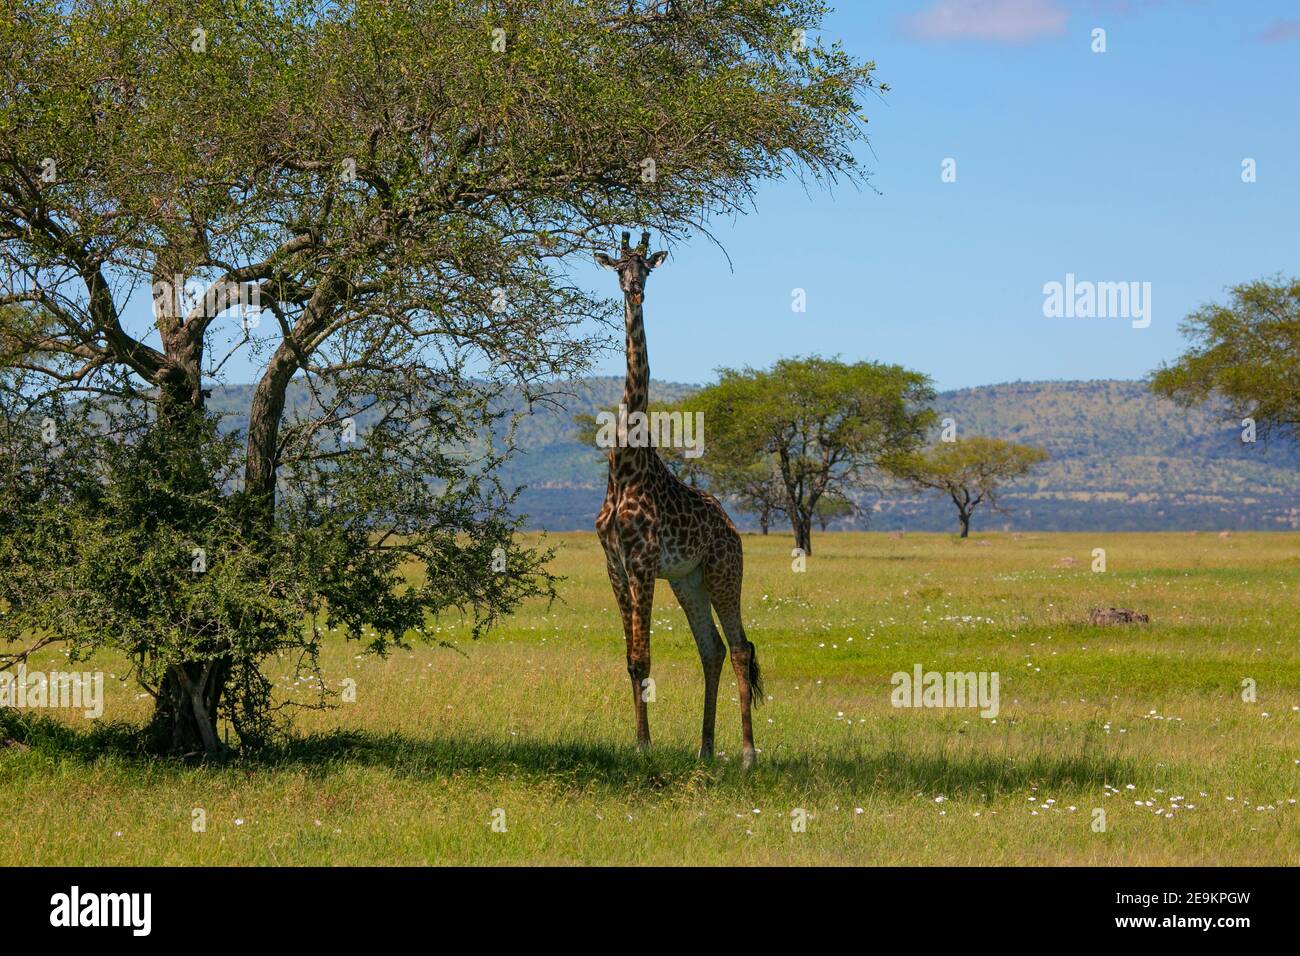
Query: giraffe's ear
point(606, 261)
point(656, 260)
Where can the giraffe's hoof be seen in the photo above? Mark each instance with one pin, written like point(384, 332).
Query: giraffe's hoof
point(643, 746)
point(706, 752)
point(749, 760)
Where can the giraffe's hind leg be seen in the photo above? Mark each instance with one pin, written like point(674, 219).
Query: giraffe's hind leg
point(634, 604)
point(694, 599)
point(722, 578)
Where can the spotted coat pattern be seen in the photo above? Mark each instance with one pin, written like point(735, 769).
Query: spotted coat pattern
point(653, 525)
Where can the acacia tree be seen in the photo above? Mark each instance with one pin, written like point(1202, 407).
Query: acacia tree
point(755, 487)
point(1247, 353)
point(831, 507)
point(374, 205)
point(825, 426)
point(970, 471)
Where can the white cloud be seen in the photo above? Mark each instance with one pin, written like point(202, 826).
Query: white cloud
point(1007, 21)
point(1281, 30)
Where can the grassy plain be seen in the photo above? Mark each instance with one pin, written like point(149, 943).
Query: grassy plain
point(1146, 723)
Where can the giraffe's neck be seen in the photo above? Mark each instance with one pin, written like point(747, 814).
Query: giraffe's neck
point(636, 387)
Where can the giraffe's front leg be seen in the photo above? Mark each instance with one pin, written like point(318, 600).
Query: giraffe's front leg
point(636, 626)
point(641, 589)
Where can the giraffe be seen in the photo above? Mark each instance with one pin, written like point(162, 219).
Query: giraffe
point(653, 525)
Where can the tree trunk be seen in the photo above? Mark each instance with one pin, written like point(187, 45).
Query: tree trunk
point(802, 526)
point(185, 714)
point(964, 517)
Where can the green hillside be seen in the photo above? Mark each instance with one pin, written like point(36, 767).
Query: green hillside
point(550, 455)
point(1122, 459)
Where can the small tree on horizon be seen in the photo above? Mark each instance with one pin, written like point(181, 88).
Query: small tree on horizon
point(970, 471)
point(832, 507)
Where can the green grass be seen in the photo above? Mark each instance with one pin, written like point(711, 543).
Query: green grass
point(536, 720)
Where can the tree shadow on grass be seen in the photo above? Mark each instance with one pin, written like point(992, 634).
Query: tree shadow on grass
point(23, 731)
point(585, 765)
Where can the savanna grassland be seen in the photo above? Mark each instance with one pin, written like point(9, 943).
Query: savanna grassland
point(1145, 722)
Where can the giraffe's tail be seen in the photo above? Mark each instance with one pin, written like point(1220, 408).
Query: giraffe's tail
point(756, 694)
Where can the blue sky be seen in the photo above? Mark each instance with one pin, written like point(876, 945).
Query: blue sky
point(1116, 166)
point(1122, 166)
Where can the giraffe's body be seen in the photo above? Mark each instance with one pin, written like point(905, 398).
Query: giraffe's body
point(667, 527)
point(653, 525)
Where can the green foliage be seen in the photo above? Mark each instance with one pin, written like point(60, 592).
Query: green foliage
point(1246, 352)
point(821, 425)
point(121, 532)
point(402, 186)
point(831, 507)
point(970, 471)
point(795, 440)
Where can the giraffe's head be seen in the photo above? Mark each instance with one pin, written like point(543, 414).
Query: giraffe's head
point(633, 266)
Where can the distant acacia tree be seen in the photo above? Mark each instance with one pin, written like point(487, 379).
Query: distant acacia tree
point(756, 488)
point(824, 426)
point(970, 471)
point(1246, 352)
point(373, 202)
point(831, 507)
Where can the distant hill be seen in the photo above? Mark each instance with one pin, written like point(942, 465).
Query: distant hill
point(550, 456)
point(1122, 459)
